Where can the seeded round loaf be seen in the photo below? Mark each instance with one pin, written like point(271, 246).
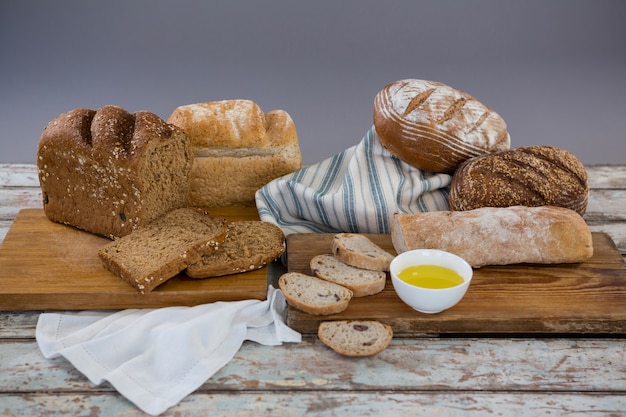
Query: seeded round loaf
point(435, 127)
point(355, 337)
point(108, 171)
point(526, 176)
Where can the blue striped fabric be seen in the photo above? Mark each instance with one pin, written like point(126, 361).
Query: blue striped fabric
point(357, 190)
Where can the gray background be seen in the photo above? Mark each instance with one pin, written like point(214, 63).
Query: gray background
point(555, 70)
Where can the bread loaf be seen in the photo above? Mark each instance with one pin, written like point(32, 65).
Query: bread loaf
point(161, 249)
point(498, 236)
point(109, 172)
point(238, 149)
point(435, 127)
point(355, 337)
point(249, 245)
point(525, 176)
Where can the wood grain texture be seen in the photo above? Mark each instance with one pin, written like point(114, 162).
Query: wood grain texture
point(443, 376)
point(46, 265)
point(586, 298)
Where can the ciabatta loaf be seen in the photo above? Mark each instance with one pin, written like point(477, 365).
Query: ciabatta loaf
point(109, 172)
point(435, 127)
point(498, 235)
point(361, 282)
point(238, 149)
point(524, 176)
point(355, 337)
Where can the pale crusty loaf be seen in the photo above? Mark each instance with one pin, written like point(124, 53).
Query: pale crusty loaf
point(362, 282)
point(498, 235)
point(359, 251)
point(109, 171)
point(435, 127)
point(355, 337)
point(249, 245)
point(525, 176)
point(314, 295)
point(161, 249)
point(238, 149)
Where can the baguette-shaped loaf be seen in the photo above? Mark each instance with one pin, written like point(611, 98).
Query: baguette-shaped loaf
point(498, 235)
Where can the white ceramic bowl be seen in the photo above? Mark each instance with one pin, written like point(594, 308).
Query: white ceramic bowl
point(427, 300)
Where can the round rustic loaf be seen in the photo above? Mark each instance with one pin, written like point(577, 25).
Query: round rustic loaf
point(525, 176)
point(435, 127)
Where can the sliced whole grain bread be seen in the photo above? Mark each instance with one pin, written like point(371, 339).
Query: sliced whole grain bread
point(359, 251)
point(361, 282)
point(314, 295)
point(249, 245)
point(355, 337)
point(158, 251)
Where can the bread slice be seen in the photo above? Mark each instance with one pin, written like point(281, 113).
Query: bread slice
point(359, 251)
point(314, 295)
point(250, 245)
point(361, 282)
point(158, 251)
point(355, 337)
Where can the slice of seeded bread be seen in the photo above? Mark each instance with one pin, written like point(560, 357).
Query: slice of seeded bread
point(161, 249)
point(355, 337)
point(250, 245)
point(361, 282)
point(359, 251)
point(313, 295)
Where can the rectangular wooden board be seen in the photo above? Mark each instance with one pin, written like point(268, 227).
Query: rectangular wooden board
point(50, 266)
point(586, 298)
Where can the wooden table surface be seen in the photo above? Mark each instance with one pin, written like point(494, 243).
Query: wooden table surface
point(469, 376)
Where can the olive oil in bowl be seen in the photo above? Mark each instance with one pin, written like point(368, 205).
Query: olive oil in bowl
point(430, 276)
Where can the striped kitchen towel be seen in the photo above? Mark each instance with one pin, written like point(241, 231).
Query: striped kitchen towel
point(357, 190)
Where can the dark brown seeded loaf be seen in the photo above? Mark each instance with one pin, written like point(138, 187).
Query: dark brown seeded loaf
point(159, 250)
point(355, 337)
point(250, 245)
point(526, 176)
point(109, 171)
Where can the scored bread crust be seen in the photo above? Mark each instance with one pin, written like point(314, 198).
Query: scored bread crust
point(314, 295)
point(524, 176)
point(362, 282)
point(237, 149)
point(435, 127)
point(498, 235)
point(249, 245)
point(108, 171)
point(161, 249)
point(359, 251)
point(355, 337)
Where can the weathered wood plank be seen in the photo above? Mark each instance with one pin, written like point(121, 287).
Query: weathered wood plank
point(606, 176)
point(18, 325)
point(329, 404)
point(18, 175)
point(565, 365)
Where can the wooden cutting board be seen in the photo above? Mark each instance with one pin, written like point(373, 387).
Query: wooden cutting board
point(49, 266)
point(586, 298)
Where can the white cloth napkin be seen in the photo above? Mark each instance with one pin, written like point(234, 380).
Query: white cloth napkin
point(156, 357)
point(357, 190)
